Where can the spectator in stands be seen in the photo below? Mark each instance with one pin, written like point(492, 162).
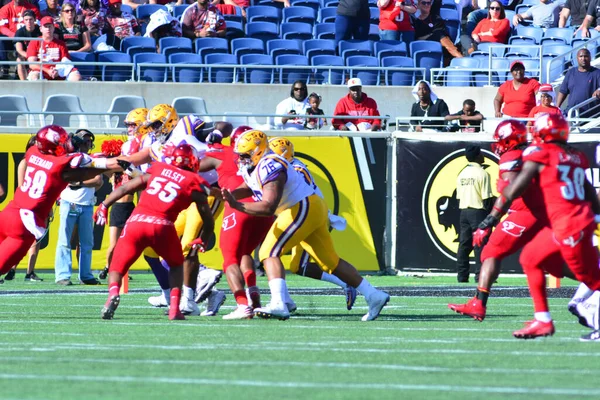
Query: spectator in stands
point(53, 53)
point(544, 15)
point(94, 16)
point(162, 24)
point(580, 83)
point(591, 18)
point(11, 19)
point(545, 103)
point(353, 20)
point(295, 105)
point(77, 208)
point(74, 34)
point(356, 103)
point(576, 9)
point(52, 10)
point(314, 123)
point(430, 26)
point(29, 30)
point(466, 120)
point(495, 28)
point(427, 105)
point(203, 20)
point(394, 20)
point(516, 98)
point(120, 24)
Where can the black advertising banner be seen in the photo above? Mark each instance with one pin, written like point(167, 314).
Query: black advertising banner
point(427, 208)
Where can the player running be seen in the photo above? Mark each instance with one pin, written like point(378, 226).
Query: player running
point(169, 189)
point(301, 218)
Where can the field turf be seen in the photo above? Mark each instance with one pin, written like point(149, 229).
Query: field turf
point(55, 346)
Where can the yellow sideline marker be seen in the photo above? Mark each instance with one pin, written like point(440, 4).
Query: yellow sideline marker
point(553, 282)
point(125, 284)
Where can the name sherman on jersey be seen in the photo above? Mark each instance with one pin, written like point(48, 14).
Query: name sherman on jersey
point(267, 170)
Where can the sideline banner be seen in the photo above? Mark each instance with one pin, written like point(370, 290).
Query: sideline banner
point(350, 172)
point(428, 213)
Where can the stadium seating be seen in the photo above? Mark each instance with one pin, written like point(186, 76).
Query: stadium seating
point(115, 72)
point(151, 73)
point(257, 75)
point(211, 45)
point(325, 31)
point(86, 71)
point(263, 13)
point(191, 105)
point(368, 77)
point(399, 78)
point(242, 46)
point(178, 10)
point(278, 47)
point(221, 74)
point(348, 48)
point(66, 103)
point(144, 11)
point(327, 14)
point(186, 74)
point(428, 59)
point(296, 30)
point(13, 103)
point(330, 77)
point(137, 41)
point(317, 47)
point(289, 75)
point(386, 48)
point(299, 14)
point(264, 31)
point(122, 105)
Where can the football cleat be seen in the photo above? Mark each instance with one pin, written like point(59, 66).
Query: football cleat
point(207, 279)
point(474, 308)
point(534, 329)
point(108, 311)
point(291, 306)
point(591, 337)
point(376, 302)
point(240, 312)
point(176, 315)
point(158, 301)
point(216, 298)
point(33, 278)
point(188, 307)
point(587, 312)
point(350, 296)
point(253, 296)
point(10, 275)
point(273, 310)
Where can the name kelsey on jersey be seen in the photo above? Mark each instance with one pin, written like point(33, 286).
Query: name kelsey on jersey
point(173, 175)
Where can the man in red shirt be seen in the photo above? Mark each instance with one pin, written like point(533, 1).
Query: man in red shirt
point(53, 53)
point(203, 20)
point(11, 19)
point(356, 103)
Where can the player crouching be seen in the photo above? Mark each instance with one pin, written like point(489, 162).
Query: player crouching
point(168, 189)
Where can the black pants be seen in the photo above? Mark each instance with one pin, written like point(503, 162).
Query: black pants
point(470, 218)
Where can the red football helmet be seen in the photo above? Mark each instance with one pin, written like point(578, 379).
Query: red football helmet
point(508, 134)
point(185, 157)
point(54, 140)
point(238, 132)
point(550, 128)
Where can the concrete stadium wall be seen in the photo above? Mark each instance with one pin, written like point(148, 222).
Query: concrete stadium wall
point(259, 99)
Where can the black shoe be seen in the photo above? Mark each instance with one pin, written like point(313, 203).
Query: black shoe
point(108, 312)
point(103, 274)
point(10, 275)
point(32, 277)
point(64, 282)
point(92, 281)
point(463, 280)
point(1, 281)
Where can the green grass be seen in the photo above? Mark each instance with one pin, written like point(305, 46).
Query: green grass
point(57, 347)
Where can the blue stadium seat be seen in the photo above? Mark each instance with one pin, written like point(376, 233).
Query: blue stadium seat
point(137, 41)
point(318, 47)
point(278, 47)
point(453, 27)
point(167, 51)
point(427, 59)
point(347, 48)
point(464, 62)
point(270, 3)
point(330, 77)
point(509, 16)
point(86, 71)
point(178, 10)
point(305, 15)
point(368, 77)
point(398, 78)
point(330, 3)
point(374, 15)
point(211, 45)
point(257, 75)
point(144, 11)
point(242, 46)
point(555, 49)
point(530, 31)
point(531, 2)
point(327, 14)
point(181, 42)
point(264, 31)
point(521, 51)
point(113, 73)
point(221, 74)
point(593, 34)
point(263, 13)
point(532, 67)
point(386, 48)
point(235, 29)
point(133, 50)
point(491, 48)
point(373, 32)
point(233, 18)
point(522, 40)
point(150, 73)
point(566, 34)
point(457, 77)
point(186, 74)
point(449, 14)
point(325, 31)
point(500, 67)
point(314, 4)
point(289, 75)
point(556, 67)
point(296, 30)
point(419, 45)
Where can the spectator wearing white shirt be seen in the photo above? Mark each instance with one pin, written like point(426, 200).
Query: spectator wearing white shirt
point(295, 105)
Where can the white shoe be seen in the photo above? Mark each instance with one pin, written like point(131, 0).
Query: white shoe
point(291, 306)
point(376, 302)
point(241, 312)
point(216, 298)
point(207, 279)
point(572, 306)
point(188, 307)
point(587, 311)
point(273, 310)
point(158, 301)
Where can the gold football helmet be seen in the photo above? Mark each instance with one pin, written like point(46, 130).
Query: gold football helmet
point(282, 147)
point(135, 122)
point(161, 120)
point(251, 146)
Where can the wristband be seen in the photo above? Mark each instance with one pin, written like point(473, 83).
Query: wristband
point(99, 163)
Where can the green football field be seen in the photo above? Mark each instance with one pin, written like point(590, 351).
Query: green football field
point(55, 346)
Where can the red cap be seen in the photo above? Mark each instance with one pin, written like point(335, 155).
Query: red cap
point(515, 63)
point(111, 2)
point(46, 20)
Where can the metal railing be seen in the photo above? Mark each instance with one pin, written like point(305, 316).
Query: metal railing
point(557, 66)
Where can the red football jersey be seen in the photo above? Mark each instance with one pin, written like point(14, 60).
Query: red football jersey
point(562, 184)
point(169, 191)
point(531, 199)
point(228, 170)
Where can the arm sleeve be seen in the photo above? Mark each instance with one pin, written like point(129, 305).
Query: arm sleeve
point(486, 187)
point(32, 49)
point(339, 110)
point(374, 111)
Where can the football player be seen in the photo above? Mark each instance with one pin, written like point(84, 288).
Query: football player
point(301, 218)
point(169, 189)
point(570, 202)
point(300, 264)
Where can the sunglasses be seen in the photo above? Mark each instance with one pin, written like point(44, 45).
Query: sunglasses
point(426, 3)
point(495, 8)
point(70, 11)
point(297, 89)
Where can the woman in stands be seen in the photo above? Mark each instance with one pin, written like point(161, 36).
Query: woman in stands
point(495, 28)
point(93, 13)
point(430, 26)
point(74, 34)
point(394, 20)
point(516, 98)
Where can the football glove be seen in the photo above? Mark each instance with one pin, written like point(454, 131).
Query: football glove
point(101, 214)
point(197, 245)
point(480, 236)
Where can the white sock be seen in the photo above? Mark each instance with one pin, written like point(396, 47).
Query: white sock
point(278, 289)
point(542, 316)
point(332, 279)
point(583, 292)
point(167, 294)
point(188, 292)
point(365, 288)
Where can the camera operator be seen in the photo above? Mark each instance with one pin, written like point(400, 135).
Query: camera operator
point(77, 208)
point(296, 104)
